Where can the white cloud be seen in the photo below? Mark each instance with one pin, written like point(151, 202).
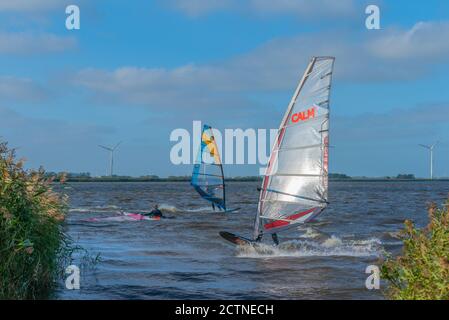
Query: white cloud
point(426, 40)
point(30, 43)
point(274, 67)
point(190, 85)
point(386, 55)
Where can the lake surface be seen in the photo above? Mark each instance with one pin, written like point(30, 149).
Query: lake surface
point(184, 257)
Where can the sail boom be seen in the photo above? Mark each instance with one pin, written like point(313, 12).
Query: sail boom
point(295, 196)
point(210, 185)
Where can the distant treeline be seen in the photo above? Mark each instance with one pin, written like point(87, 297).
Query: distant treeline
point(86, 177)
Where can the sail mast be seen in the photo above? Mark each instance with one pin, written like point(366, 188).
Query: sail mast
point(224, 185)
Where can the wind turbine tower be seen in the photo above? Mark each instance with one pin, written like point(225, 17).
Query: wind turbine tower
point(111, 151)
point(430, 148)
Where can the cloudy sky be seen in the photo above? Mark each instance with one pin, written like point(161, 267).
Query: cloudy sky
point(136, 71)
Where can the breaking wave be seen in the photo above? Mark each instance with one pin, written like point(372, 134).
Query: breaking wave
point(168, 208)
point(80, 210)
point(332, 246)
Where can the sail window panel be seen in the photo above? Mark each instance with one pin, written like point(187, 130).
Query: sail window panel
point(291, 162)
point(200, 180)
point(302, 135)
point(204, 172)
point(281, 210)
point(295, 189)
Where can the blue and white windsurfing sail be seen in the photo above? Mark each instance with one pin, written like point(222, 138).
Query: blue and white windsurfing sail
point(295, 186)
point(207, 176)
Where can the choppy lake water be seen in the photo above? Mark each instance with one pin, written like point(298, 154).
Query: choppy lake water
point(184, 258)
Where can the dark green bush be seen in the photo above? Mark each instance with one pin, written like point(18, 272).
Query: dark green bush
point(422, 270)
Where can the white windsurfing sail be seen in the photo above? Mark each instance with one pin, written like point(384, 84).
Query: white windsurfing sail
point(295, 186)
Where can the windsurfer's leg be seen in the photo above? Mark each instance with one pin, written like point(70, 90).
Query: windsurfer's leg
point(274, 236)
point(259, 237)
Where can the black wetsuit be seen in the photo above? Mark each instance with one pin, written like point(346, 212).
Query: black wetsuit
point(155, 213)
point(274, 236)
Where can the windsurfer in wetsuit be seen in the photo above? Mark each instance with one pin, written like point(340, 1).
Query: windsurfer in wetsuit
point(156, 213)
point(211, 191)
point(274, 236)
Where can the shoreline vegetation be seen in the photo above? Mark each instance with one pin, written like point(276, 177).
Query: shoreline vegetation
point(33, 246)
point(421, 272)
point(86, 177)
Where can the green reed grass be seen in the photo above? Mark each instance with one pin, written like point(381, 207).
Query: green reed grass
point(421, 272)
point(33, 247)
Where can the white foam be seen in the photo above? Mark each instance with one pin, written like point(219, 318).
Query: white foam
point(108, 208)
point(310, 233)
point(113, 219)
point(332, 242)
point(173, 209)
point(168, 208)
point(79, 210)
point(332, 246)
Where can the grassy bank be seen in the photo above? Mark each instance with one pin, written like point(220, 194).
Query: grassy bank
point(422, 271)
point(32, 244)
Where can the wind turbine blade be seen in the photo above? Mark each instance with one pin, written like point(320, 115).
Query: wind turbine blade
point(116, 146)
point(106, 148)
point(424, 146)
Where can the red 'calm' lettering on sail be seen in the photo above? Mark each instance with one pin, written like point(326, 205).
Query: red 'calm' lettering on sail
point(304, 115)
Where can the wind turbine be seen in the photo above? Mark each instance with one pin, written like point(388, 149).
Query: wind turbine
point(430, 148)
point(111, 150)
